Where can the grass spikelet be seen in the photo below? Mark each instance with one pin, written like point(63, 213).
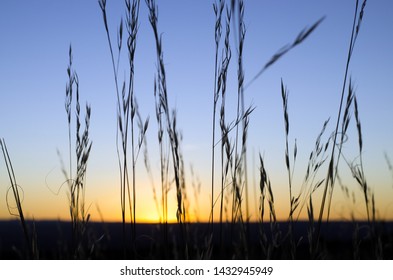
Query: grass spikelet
point(298, 40)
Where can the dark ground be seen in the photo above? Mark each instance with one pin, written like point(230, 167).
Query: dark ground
point(339, 240)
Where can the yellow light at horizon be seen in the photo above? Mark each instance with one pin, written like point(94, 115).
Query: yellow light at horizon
point(103, 204)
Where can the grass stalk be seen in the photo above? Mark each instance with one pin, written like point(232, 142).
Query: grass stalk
point(164, 164)
point(122, 161)
point(293, 201)
point(218, 9)
point(268, 246)
point(127, 111)
point(226, 150)
point(78, 213)
point(333, 162)
point(31, 242)
point(173, 134)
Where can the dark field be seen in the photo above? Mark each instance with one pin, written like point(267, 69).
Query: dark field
point(340, 240)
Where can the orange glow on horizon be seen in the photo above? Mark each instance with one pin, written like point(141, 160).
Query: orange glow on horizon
point(102, 203)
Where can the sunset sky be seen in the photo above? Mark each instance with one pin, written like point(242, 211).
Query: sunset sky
point(35, 38)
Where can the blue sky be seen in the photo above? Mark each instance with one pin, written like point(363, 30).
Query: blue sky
point(34, 57)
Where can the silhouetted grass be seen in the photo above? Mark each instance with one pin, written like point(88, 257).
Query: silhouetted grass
point(233, 235)
point(128, 115)
point(30, 239)
point(76, 182)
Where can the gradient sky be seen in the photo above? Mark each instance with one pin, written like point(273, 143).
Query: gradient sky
point(35, 37)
